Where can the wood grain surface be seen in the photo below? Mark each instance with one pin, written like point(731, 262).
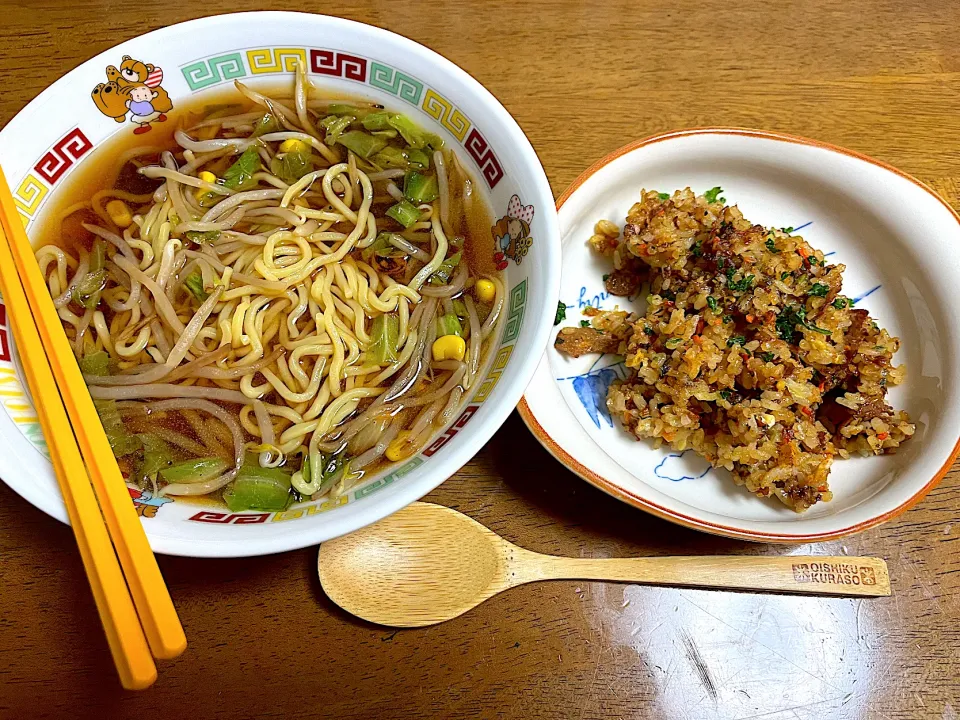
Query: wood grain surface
point(881, 77)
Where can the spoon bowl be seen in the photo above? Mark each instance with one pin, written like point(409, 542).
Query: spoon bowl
point(428, 563)
point(419, 566)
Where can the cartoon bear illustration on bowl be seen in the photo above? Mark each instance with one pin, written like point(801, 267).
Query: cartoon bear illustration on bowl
point(511, 234)
point(133, 88)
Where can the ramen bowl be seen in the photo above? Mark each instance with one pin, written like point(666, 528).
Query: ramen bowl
point(43, 149)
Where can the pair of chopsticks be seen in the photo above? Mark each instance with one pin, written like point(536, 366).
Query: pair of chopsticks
point(133, 602)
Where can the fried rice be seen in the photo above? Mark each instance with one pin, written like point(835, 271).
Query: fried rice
point(747, 352)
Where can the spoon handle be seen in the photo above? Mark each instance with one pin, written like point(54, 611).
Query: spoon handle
point(817, 575)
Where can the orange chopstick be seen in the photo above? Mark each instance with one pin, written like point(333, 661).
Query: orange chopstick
point(150, 595)
point(125, 636)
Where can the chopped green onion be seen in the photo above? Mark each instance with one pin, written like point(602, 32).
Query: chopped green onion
point(561, 313)
point(413, 135)
point(343, 109)
point(419, 188)
point(818, 290)
point(771, 246)
point(790, 317)
point(195, 470)
point(98, 255)
point(156, 455)
point(442, 274)
point(87, 292)
point(266, 124)
point(257, 488)
point(202, 236)
point(239, 176)
point(418, 158)
point(725, 394)
point(785, 275)
point(97, 363)
point(381, 247)
point(377, 121)
point(713, 194)
point(712, 303)
point(584, 323)
point(361, 143)
point(386, 336)
point(697, 249)
point(663, 196)
point(736, 340)
point(404, 213)
point(333, 126)
point(767, 356)
point(741, 285)
point(449, 324)
point(391, 156)
point(121, 441)
point(673, 343)
point(841, 303)
point(194, 283)
point(291, 166)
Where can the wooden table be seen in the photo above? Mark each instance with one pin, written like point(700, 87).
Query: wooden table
point(880, 77)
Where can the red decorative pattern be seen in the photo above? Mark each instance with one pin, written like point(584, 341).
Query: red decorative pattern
point(464, 418)
point(63, 155)
point(220, 518)
point(331, 62)
point(4, 340)
point(480, 151)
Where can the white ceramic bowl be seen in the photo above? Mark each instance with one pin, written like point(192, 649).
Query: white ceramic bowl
point(62, 129)
point(901, 245)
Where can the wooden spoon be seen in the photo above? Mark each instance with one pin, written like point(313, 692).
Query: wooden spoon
point(428, 563)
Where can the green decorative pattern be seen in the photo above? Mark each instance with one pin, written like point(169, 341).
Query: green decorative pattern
point(518, 302)
point(396, 83)
point(34, 434)
point(204, 73)
point(383, 482)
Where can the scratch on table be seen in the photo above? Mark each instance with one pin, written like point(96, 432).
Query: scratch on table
point(790, 709)
point(767, 647)
point(696, 659)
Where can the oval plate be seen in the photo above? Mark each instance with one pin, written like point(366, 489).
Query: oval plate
point(900, 243)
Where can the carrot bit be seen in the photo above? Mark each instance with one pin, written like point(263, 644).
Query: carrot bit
point(822, 385)
point(751, 318)
point(807, 411)
point(697, 339)
point(883, 435)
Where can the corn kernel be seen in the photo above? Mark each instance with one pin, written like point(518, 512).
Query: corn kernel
point(486, 291)
point(119, 213)
point(449, 347)
point(781, 385)
point(207, 177)
point(293, 145)
point(398, 450)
